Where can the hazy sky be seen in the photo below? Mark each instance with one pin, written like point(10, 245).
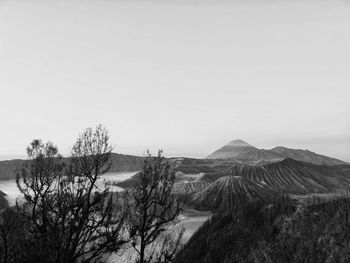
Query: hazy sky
point(186, 76)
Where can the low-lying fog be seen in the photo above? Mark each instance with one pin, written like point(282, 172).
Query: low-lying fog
point(9, 187)
point(189, 219)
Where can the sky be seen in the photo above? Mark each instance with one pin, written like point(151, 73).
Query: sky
point(183, 76)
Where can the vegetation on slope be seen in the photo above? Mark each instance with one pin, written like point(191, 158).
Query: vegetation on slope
point(278, 231)
point(65, 217)
point(8, 168)
point(3, 201)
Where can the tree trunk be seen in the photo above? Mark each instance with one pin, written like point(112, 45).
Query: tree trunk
point(142, 251)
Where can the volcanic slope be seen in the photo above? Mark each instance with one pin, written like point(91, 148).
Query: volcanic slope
point(306, 156)
point(228, 191)
point(288, 176)
point(291, 176)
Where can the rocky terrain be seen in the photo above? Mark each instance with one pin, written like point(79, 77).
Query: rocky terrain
point(227, 191)
point(285, 177)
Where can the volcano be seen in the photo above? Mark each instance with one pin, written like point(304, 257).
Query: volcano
point(232, 150)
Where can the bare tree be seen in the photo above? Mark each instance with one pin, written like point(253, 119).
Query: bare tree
point(153, 210)
point(72, 217)
point(37, 181)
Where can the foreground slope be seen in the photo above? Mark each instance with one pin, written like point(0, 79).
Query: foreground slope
point(277, 231)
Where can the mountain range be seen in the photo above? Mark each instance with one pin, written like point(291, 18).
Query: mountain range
point(120, 163)
point(244, 152)
point(237, 169)
point(236, 151)
point(215, 190)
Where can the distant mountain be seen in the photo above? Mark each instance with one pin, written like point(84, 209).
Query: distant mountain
point(8, 168)
point(120, 163)
point(231, 150)
point(241, 151)
point(125, 163)
point(260, 155)
point(306, 156)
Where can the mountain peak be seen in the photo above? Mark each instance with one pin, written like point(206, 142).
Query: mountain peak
point(239, 142)
point(231, 150)
point(243, 151)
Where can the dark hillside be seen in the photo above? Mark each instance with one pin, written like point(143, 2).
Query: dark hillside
point(230, 236)
point(125, 163)
point(277, 232)
point(8, 168)
point(3, 201)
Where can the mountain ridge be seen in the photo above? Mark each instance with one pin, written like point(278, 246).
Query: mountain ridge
point(286, 177)
point(245, 152)
point(120, 163)
point(306, 156)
